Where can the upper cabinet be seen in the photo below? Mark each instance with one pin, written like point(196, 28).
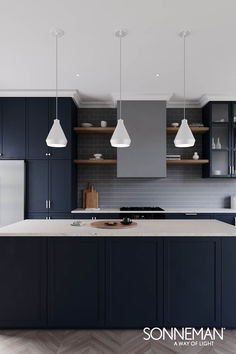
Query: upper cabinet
point(40, 116)
point(37, 127)
point(145, 122)
point(219, 143)
point(12, 128)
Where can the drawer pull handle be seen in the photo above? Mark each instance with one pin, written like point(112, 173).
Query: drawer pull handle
point(191, 214)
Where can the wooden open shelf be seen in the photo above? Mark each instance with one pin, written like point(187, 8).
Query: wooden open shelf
point(187, 162)
point(169, 162)
point(94, 130)
point(110, 130)
point(196, 130)
point(96, 162)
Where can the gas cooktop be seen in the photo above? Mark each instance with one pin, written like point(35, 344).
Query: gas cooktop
point(141, 209)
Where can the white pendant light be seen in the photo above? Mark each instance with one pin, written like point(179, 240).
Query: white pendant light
point(184, 136)
point(56, 137)
point(120, 138)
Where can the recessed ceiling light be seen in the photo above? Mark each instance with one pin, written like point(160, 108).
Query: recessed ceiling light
point(157, 74)
point(77, 75)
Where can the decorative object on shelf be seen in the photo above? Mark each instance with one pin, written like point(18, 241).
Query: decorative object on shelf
point(86, 125)
point(213, 145)
point(195, 156)
point(173, 157)
point(234, 119)
point(103, 123)
point(56, 137)
point(120, 137)
point(184, 136)
point(196, 125)
point(175, 125)
point(97, 156)
point(218, 144)
point(217, 172)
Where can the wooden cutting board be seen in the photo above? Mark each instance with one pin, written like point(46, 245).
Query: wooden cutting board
point(91, 198)
point(102, 225)
point(84, 195)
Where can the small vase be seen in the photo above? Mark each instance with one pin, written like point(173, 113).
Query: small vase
point(218, 144)
point(195, 156)
point(213, 145)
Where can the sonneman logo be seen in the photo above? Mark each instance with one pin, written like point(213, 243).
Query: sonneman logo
point(190, 336)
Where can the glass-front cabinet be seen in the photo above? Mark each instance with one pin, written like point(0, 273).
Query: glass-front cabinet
point(219, 145)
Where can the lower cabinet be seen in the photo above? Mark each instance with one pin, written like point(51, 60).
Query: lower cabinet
point(134, 291)
point(23, 274)
point(76, 282)
point(117, 282)
point(192, 282)
point(229, 282)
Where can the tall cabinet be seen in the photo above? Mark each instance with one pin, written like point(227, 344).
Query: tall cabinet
point(50, 171)
point(220, 142)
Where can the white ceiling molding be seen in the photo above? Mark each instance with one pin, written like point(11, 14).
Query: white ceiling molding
point(180, 104)
point(96, 104)
point(42, 93)
point(211, 97)
point(141, 97)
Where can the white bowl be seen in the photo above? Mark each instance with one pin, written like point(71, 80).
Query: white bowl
point(175, 125)
point(97, 156)
point(86, 125)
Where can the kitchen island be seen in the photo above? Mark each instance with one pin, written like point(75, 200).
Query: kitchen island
point(160, 273)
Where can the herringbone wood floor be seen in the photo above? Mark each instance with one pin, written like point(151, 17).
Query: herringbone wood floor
point(100, 341)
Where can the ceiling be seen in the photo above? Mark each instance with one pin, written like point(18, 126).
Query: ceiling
point(90, 48)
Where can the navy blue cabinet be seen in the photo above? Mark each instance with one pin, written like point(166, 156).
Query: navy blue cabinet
point(12, 124)
point(23, 267)
point(188, 216)
point(49, 187)
point(37, 186)
point(76, 282)
point(228, 282)
point(40, 116)
point(192, 282)
point(67, 115)
point(219, 144)
point(134, 290)
point(60, 193)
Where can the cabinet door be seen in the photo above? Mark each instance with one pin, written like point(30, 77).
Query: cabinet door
point(60, 185)
point(134, 282)
point(13, 128)
point(65, 115)
point(192, 282)
point(76, 282)
point(228, 282)
point(23, 282)
point(37, 186)
point(37, 127)
point(187, 216)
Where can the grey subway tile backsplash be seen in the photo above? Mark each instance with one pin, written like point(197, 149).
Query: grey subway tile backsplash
point(183, 187)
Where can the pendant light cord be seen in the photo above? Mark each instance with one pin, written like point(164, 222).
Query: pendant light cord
point(184, 75)
point(56, 76)
point(120, 76)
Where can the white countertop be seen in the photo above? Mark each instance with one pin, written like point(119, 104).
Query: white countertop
point(144, 228)
point(167, 210)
